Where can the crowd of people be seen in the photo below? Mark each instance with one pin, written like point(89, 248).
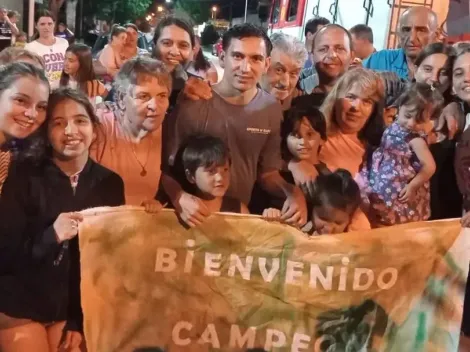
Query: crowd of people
point(375, 142)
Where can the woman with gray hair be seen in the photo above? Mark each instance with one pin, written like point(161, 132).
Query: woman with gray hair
point(131, 144)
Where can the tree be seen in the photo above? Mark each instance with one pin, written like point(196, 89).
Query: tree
point(209, 35)
point(116, 11)
point(198, 11)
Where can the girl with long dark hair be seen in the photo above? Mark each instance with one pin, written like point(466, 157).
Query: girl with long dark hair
point(79, 73)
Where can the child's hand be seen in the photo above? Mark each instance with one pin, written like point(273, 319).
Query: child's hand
point(152, 206)
point(407, 194)
point(272, 214)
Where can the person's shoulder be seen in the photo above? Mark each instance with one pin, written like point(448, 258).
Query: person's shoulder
point(382, 57)
point(62, 41)
point(32, 45)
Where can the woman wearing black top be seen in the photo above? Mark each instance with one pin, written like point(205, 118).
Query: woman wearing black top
point(38, 227)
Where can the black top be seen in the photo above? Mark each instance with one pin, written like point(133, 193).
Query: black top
point(34, 283)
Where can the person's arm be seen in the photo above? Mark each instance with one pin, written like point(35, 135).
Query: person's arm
point(190, 209)
point(428, 167)
point(244, 209)
point(14, 29)
point(295, 207)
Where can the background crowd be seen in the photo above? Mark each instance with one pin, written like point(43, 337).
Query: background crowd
point(329, 136)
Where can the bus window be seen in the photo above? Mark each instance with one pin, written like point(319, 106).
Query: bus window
point(276, 11)
point(293, 6)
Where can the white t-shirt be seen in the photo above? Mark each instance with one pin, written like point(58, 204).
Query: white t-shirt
point(53, 56)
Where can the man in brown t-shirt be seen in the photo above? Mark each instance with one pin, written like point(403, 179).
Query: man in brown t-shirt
point(247, 118)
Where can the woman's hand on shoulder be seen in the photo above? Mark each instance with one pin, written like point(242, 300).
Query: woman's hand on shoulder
point(196, 89)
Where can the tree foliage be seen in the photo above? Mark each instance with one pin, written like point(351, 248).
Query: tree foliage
point(198, 11)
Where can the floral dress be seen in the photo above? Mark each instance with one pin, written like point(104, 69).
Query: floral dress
point(392, 166)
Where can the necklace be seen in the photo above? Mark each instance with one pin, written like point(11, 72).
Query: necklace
point(143, 173)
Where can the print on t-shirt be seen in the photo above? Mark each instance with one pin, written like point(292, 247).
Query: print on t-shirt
point(54, 57)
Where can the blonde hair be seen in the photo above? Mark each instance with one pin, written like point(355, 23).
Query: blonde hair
point(370, 83)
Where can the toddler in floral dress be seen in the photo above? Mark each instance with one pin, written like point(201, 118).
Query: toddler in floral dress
point(395, 180)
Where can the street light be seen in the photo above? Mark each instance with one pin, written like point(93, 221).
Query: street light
point(167, 1)
point(160, 8)
point(214, 12)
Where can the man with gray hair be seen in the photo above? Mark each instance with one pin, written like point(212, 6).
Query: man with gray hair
point(417, 27)
point(287, 60)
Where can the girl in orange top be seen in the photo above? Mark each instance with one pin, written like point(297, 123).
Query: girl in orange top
point(79, 74)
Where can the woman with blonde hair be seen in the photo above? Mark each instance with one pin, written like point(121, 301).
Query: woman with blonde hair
point(353, 111)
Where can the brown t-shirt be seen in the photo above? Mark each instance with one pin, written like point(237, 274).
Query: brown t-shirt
point(251, 132)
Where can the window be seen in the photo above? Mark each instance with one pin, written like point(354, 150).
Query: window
point(276, 11)
point(292, 14)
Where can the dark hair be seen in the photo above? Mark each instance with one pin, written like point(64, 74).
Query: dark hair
point(422, 96)
point(116, 30)
point(292, 123)
point(174, 21)
point(200, 62)
point(43, 13)
point(12, 54)
point(374, 128)
point(37, 16)
point(203, 150)
point(131, 25)
point(336, 189)
point(312, 25)
point(363, 31)
point(8, 75)
point(434, 48)
point(85, 73)
point(333, 25)
point(246, 30)
point(14, 71)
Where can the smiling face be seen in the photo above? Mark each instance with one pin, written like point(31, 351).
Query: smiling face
point(304, 143)
point(353, 110)
point(24, 106)
point(132, 36)
point(147, 103)
point(332, 52)
point(244, 62)
point(173, 47)
point(70, 130)
point(461, 77)
point(434, 71)
point(282, 75)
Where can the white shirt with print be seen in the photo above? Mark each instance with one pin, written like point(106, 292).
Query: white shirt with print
point(53, 56)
